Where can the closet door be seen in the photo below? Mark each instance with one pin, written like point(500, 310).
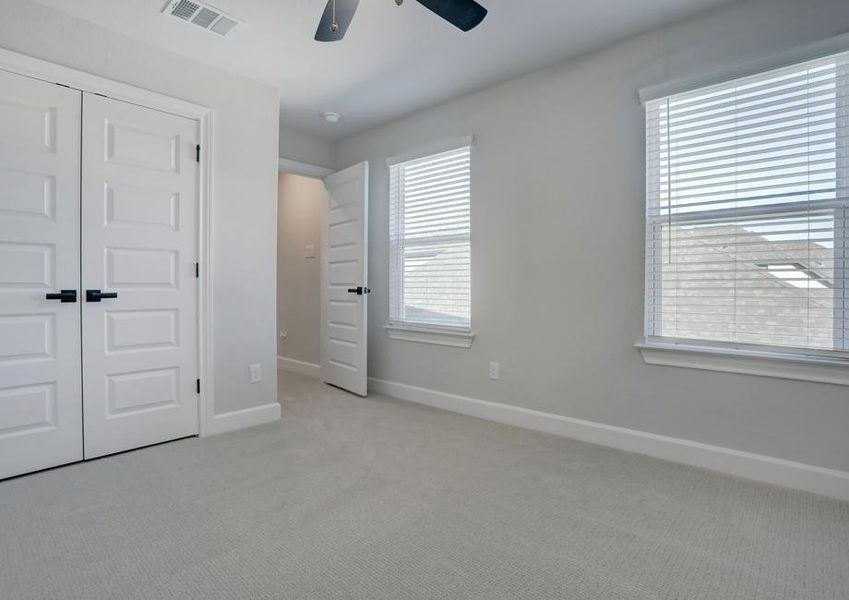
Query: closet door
point(40, 401)
point(139, 232)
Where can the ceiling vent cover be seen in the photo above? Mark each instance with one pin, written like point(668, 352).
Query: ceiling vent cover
point(202, 15)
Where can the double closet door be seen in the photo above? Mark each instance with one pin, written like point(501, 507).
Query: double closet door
point(98, 288)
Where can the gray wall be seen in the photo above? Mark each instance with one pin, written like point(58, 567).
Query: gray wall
point(306, 148)
point(557, 245)
point(245, 172)
point(299, 278)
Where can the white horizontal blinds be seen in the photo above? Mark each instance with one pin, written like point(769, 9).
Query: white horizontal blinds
point(430, 232)
point(746, 210)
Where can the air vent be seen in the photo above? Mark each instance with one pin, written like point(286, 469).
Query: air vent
point(183, 9)
point(202, 15)
point(223, 26)
point(205, 17)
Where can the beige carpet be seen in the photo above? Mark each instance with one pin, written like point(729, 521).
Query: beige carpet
point(373, 498)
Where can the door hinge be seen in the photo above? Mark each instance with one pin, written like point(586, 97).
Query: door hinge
point(197, 153)
point(198, 386)
point(197, 269)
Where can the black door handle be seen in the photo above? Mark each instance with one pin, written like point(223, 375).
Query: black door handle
point(96, 295)
point(359, 290)
point(63, 296)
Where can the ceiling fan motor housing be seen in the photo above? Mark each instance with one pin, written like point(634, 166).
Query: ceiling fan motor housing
point(463, 14)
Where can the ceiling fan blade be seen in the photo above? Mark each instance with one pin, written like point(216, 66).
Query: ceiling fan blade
point(464, 14)
point(345, 10)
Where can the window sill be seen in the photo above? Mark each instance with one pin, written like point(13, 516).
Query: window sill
point(748, 362)
point(431, 335)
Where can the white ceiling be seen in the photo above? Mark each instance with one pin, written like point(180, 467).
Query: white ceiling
point(394, 60)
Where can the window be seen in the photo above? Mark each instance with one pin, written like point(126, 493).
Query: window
point(430, 235)
point(747, 212)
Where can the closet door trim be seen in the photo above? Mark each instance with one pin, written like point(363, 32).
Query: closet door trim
point(28, 66)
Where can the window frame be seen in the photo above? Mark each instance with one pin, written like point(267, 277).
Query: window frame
point(422, 332)
point(827, 366)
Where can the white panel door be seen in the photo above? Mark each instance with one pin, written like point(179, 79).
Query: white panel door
point(139, 232)
point(40, 402)
point(344, 280)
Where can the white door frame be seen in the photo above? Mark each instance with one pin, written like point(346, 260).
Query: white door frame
point(286, 165)
point(21, 64)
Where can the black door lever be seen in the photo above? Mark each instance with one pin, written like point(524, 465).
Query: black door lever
point(96, 295)
point(63, 296)
point(359, 290)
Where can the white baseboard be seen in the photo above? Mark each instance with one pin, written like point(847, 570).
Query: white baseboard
point(247, 417)
point(299, 366)
point(767, 469)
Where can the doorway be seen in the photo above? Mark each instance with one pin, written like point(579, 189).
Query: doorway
point(337, 208)
point(299, 199)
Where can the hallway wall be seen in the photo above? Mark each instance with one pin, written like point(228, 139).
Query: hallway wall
point(298, 277)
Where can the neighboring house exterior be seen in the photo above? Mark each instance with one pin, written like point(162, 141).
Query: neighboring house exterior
point(731, 284)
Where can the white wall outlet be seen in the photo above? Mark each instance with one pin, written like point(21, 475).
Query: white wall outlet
point(309, 251)
point(284, 335)
point(255, 373)
point(494, 370)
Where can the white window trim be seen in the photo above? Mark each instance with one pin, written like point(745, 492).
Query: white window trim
point(830, 368)
point(782, 365)
point(426, 334)
point(816, 50)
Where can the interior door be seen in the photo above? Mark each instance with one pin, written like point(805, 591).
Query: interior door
point(344, 280)
point(139, 241)
point(40, 402)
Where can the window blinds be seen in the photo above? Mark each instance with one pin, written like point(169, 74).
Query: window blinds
point(747, 210)
point(430, 254)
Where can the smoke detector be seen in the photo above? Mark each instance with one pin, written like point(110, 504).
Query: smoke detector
point(331, 117)
point(202, 15)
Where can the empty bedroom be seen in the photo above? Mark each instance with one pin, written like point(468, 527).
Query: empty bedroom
point(424, 299)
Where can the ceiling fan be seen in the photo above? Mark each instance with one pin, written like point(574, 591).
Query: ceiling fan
point(463, 14)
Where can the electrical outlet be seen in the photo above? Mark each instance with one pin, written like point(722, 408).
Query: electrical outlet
point(309, 251)
point(494, 370)
point(255, 373)
point(284, 335)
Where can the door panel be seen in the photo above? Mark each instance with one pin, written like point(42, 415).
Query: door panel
point(40, 400)
point(344, 315)
point(139, 215)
